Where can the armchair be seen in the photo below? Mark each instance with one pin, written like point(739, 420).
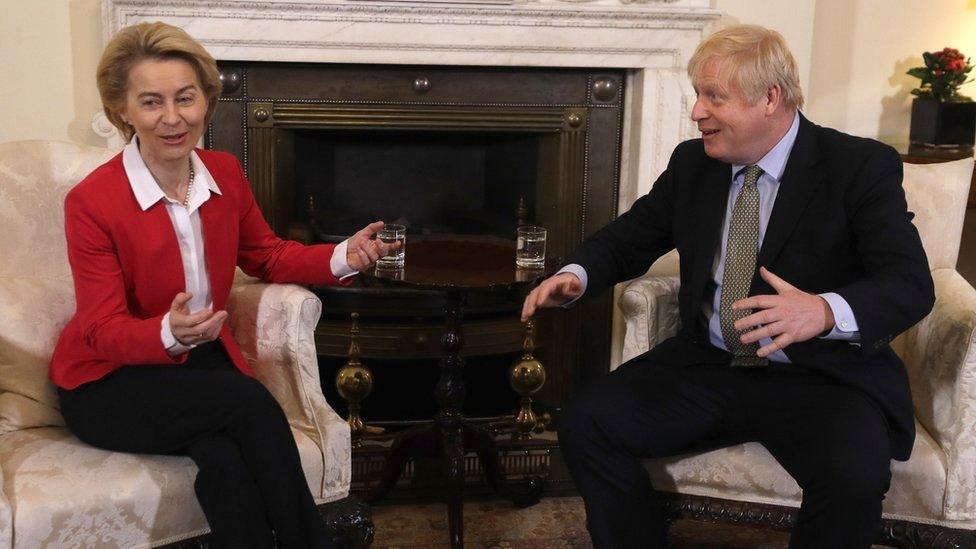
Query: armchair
point(932, 500)
point(57, 491)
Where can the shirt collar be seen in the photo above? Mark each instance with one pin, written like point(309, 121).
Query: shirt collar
point(148, 192)
point(774, 163)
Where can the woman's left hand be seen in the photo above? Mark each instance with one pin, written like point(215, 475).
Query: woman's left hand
point(363, 250)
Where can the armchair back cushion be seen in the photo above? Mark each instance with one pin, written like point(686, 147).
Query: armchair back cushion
point(36, 292)
point(937, 194)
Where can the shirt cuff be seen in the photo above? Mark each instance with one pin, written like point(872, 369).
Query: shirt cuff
point(845, 326)
point(340, 267)
point(580, 272)
point(172, 346)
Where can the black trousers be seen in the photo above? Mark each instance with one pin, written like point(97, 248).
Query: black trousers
point(250, 482)
point(831, 438)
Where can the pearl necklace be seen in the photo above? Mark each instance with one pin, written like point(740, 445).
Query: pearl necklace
point(189, 186)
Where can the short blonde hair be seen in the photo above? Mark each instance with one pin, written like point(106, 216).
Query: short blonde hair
point(754, 59)
point(150, 41)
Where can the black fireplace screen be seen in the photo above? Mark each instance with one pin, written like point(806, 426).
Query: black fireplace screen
point(432, 182)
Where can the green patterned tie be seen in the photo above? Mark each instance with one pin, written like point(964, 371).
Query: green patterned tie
point(740, 265)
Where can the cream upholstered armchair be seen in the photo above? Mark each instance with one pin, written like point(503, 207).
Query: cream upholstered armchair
point(56, 491)
point(932, 500)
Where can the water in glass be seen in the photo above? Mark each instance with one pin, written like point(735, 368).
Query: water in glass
point(530, 247)
point(389, 234)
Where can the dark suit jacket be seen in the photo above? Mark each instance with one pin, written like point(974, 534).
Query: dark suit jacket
point(839, 224)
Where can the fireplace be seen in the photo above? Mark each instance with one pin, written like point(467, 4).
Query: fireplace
point(445, 151)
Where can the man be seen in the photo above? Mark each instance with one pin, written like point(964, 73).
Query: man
point(799, 264)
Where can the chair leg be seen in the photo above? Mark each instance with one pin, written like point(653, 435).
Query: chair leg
point(350, 522)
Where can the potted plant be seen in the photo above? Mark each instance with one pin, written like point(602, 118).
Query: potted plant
point(941, 116)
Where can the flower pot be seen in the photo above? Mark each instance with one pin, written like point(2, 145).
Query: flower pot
point(943, 124)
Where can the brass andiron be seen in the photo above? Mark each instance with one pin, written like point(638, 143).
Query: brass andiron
point(527, 375)
point(354, 382)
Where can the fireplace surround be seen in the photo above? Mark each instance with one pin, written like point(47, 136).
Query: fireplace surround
point(446, 151)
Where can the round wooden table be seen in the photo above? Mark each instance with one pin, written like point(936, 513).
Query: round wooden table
point(459, 267)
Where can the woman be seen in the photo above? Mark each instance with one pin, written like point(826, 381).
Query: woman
point(148, 363)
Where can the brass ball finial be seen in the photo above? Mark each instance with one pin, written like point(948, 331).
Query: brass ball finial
point(354, 381)
point(527, 375)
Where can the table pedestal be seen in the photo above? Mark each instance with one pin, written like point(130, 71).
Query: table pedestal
point(450, 435)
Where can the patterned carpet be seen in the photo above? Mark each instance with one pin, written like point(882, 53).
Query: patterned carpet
point(554, 523)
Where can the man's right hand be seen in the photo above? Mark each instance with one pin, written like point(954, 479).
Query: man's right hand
point(553, 292)
point(194, 329)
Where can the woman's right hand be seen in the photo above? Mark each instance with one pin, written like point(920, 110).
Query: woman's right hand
point(196, 328)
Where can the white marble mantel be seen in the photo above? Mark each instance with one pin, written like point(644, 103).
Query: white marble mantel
point(653, 38)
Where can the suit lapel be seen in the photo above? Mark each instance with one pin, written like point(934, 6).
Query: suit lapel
point(714, 196)
point(800, 180)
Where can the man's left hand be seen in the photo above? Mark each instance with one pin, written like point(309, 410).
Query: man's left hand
point(362, 250)
point(790, 316)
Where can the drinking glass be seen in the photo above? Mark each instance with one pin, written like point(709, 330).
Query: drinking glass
point(530, 247)
point(388, 234)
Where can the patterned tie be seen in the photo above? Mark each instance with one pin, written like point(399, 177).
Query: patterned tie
point(740, 265)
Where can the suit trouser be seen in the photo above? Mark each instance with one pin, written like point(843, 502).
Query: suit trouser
point(250, 480)
point(831, 438)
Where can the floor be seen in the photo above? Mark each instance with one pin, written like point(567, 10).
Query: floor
point(553, 523)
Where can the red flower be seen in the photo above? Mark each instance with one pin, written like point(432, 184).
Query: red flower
point(942, 74)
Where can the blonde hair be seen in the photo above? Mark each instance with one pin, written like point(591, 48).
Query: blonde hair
point(150, 41)
point(754, 59)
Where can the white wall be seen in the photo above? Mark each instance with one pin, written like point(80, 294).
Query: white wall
point(861, 50)
point(50, 51)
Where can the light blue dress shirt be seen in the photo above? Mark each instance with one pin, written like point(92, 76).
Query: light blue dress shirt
point(773, 166)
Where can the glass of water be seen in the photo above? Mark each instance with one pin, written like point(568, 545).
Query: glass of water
point(530, 247)
point(389, 234)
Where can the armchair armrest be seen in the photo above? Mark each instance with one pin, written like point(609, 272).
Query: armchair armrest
point(274, 324)
point(940, 354)
point(650, 310)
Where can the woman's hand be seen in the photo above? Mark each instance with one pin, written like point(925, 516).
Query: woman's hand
point(194, 329)
point(362, 250)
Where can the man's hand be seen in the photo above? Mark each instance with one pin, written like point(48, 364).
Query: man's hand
point(788, 317)
point(553, 292)
point(362, 250)
point(194, 329)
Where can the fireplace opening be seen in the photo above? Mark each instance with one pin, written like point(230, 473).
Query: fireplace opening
point(432, 182)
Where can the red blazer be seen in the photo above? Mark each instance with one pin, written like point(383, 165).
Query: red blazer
point(127, 268)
